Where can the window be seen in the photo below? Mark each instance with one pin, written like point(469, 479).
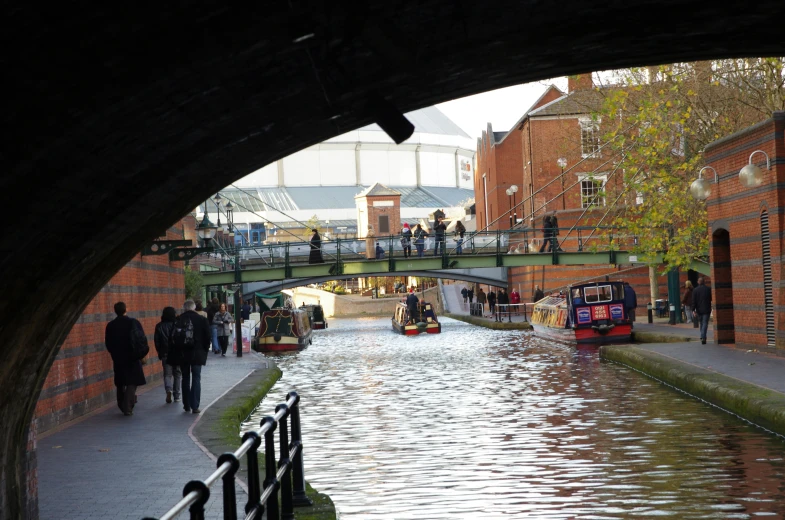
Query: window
point(590, 137)
point(597, 294)
point(592, 190)
point(384, 224)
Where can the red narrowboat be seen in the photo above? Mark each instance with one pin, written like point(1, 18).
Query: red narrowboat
point(589, 314)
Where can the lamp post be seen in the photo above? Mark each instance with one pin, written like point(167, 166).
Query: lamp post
point(513, 212)
point(562, 163)
point(238, 327)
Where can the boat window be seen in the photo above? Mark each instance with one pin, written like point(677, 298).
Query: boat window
point(597, 294)
point(618, 292)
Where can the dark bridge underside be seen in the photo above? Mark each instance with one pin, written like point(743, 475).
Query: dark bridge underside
point(119, 122)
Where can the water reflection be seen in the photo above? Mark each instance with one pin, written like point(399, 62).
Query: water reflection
point(475, 423)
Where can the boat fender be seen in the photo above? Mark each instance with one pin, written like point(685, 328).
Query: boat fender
point(603, 329)
point(277, 337)
point(422, 326)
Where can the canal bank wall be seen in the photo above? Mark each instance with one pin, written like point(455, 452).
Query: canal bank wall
point(734, 391)
point(218, 431)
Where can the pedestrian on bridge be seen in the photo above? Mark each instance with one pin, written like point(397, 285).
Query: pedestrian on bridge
point(173, 376)
point(460, 231)
point(440, 230)
point(120, 339)
point(406, 240)
point(701, 300)
point(315, 256)
point(546, 234)
point(419, 240)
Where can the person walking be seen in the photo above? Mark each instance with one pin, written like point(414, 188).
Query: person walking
point(315, 256)
point(630, 302)
point(460, 231)
point(492, 303)
point(125, 340)
point(503, 303)
point(701, 301)
point(223, 321)
point(686, 301)
point(470, 294)
point(188, 350)
point(406, 241)
point(419, 240)
point(173, 376)
point(515, 299)
point(482, 299)
point(465, 294)
point(211, 310)
point(538, 294)
point(199, 310)
point(546, 234)
point(554, 234)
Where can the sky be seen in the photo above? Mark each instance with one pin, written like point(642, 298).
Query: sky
point(502, 108)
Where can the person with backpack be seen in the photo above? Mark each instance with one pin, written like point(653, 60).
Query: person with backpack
point(223, 321)
point(127, 344)
point(173, 376)
point(406, 240)
point(188, 350)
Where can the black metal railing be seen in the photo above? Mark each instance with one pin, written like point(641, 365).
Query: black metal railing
point(286, 475)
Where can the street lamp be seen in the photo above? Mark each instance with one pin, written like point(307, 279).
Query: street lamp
point(230, 217)
point(218, 202)
point(562, 163)
point(513, 213)
point(206, 229)
point(700, 187)
point(751, 176)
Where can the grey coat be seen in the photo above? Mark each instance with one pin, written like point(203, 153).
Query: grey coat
point(224, 323)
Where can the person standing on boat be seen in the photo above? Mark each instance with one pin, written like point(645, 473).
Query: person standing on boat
point(406, 241)
point(411, 303)
point(315, 257)
point(630, 302)
point(538, 294)
point(701, 300)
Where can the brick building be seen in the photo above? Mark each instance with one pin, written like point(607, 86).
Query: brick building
point(747, 233)
point(378, 207)
point(556, 156)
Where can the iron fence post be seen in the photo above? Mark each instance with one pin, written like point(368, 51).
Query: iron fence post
point(299, 498)
point(287, 267)
point(390, 259)
point(254, 488)
point(197, 509)
point(287, 509)
point(499, 261)
point(230, 499)
point(273, 512)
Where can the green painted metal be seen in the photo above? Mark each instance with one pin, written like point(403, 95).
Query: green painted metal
point(162, 247)
point(703, 268)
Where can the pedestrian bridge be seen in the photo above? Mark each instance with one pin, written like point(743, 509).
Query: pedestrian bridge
point(287, 263)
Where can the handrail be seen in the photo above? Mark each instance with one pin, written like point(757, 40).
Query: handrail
point(289, 477)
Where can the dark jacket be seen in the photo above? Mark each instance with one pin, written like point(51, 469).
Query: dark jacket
point(630, 299)
point(163, 338)
point(211, 310)
point(538, 295)
point(482, 297)
point(546, 227)
point(503, 298)
point(127, 371)
point(197, 355)
point(701, 299)
point(687, 298)
point(470, 294)
point(460, 229)
point(440, 228)
point(419, 236)
point(315, 257)
point(245, 311)
point(492, 298)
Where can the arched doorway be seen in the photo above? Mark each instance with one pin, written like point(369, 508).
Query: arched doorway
point(722, 287)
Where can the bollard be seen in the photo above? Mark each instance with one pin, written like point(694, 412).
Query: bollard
point(649, 312)
point(672, 315)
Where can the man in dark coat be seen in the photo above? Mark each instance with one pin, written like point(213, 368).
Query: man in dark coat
point(128, 372)
point(315, 257)
point(538, 294)
point(411, 304)
point(701, 301)
point(630, 302)
point(192, 358)
point(245, 311)
point(546, 234)
point(503, 301)
point(440, 230)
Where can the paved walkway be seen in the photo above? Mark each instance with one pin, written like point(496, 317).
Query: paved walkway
point(113, 466)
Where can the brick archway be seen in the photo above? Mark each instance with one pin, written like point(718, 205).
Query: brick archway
point(722, 278)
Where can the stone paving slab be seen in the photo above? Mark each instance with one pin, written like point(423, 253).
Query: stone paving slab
point(113, 466)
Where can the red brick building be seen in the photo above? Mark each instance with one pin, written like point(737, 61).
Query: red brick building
point(747, 226)
point(380, 208)
point(556, 157)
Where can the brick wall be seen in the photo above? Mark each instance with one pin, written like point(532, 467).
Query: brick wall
point(735, 214)
point(81, 377)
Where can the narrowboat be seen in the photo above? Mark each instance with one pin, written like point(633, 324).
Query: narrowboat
point(316, 314)
point(424, 321)
point(282, 330)
point(589, 314)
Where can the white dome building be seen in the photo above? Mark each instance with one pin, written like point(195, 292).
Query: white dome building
point(433, 169)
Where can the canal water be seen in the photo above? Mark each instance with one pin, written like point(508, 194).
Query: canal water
point(483, 424)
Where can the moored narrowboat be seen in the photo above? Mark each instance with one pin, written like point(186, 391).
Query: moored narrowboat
point(316, 315)
point(589, 314)
point(423, 321)
point(282, 330)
